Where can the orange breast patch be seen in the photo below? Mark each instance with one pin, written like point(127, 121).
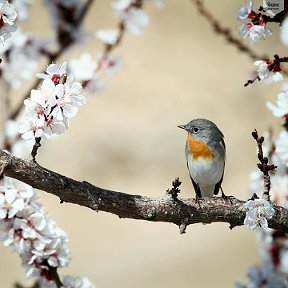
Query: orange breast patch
point(199, 148)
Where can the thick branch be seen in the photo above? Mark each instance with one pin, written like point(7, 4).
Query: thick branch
point(181, 212)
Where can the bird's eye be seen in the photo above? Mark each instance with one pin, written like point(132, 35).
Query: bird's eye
point(195, 129)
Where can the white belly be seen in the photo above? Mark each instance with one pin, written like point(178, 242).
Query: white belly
point(206, 173)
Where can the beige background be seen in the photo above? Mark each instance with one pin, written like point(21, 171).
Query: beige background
point(127, 139)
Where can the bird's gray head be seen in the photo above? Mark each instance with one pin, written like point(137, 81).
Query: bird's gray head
point(203, 130)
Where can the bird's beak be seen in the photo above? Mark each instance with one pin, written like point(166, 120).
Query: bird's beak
point(182, 127)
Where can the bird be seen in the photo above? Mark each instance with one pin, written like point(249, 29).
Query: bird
point(205, 155)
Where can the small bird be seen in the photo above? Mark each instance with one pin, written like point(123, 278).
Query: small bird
point(205, 154)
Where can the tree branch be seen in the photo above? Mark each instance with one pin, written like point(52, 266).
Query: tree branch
point(181, 212)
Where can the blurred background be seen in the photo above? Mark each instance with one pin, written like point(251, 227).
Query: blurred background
point(126, 139)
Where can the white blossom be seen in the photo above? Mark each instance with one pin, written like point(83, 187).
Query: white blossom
point(84, 68)
point(54, 72)
point(24, 53)
point(19, 147)
point(110, 64)
point(122, 5)
point(264, 276)
point(26, 228)
point(31, 127)
point(50, 107)
point(266, 70)
point(282, 147)
point(8, 16)
point(279, 190)
point(258, 211)
point(254, 32)
point(159, 3)
point(244, 11)
point(135, 20)
point(284, 31)
point(108, 36)
point(281, 107)
point(21, 8)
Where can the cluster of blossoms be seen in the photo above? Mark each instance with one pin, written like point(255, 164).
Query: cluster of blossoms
point(256, 29)
point(258, 211)
point(133, 17)
point(30, 232)
point(85, 69)
point(26, 228)
point(20, 56)
point(50, 107)
point(8, 17)
point(273, 270)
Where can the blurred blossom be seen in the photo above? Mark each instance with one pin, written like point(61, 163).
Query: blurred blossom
point(258, 211)
point(281, 107)
point(18, 146)
point(159, 3)
point(21, 6)
point(108, 36)
point(110, 64)
point(284, 31)
point(135, 20)
point(76, 282)
point(256, 183)
point(8, 17)
point(20, 56)
point(121, 5)
point(279, 190)
point(64, 15)
point(264, 276)
point(94, 86)
point(282, 148)
point(84, 68)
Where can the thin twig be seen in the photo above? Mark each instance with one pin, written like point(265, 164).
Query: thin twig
point(226, 32)
point(174, 191)
point(263, 166)
point(52, 273)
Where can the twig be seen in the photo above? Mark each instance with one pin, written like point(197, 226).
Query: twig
point(263, 166)
point(51, 273)
point(181, 212)
point(251, 81)
point(226, 32)
point(174, 191)
point(35, 285)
